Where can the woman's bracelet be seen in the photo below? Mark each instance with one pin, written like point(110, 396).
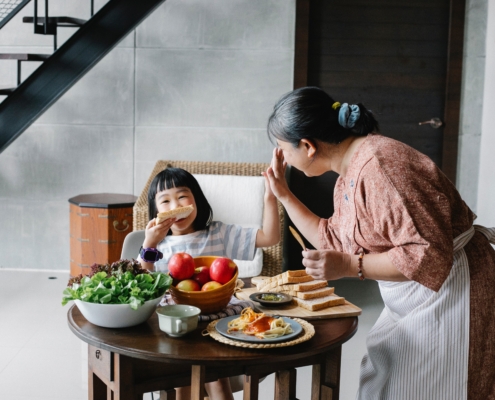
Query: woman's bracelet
point(360, 266)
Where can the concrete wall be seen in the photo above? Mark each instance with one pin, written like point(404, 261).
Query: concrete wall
point(476, 164)
point(486, 184)
point(196, 81)
point(472, 101)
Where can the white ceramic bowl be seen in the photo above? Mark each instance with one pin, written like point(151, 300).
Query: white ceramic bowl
point(117, 315)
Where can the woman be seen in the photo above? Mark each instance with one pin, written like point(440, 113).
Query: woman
point(400, 221)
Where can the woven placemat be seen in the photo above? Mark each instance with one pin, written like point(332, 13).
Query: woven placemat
point(308, 333)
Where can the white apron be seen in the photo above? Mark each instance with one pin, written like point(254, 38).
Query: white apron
point(418, 349)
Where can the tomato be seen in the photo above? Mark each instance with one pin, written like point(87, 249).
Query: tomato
point(181, 266)
point(222, 269)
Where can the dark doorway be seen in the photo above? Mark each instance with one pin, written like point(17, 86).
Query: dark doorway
point(403, 60)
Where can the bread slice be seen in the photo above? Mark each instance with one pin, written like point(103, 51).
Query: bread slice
point(284, 278)
point(320, 303)
point(290, 274)
point(297, 287)
point(311, 285)
point(179, 213)
point(317, 293)
point(296, 272)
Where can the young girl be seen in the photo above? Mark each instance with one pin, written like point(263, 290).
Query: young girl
point(198, 235)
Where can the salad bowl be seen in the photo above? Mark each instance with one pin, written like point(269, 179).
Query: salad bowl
point(117, 295)
point(117, 315)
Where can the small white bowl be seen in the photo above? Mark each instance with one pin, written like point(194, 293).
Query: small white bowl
point(117, 315)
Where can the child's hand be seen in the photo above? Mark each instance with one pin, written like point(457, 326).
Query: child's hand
point(275, 174)
point(156, 233)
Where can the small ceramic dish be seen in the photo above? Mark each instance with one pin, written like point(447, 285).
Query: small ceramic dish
point(268, 299)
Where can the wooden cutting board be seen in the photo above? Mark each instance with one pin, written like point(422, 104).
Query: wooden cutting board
point(293, 310)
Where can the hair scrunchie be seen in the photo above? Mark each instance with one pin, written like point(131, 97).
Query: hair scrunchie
point(348, 115)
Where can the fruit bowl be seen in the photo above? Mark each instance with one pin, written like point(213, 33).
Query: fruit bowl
point(210, 301)
point(117, 315)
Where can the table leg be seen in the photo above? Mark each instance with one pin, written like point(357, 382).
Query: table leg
point(326, 377)
point(97, 389)
point(198, 382)
point(123, 385)
point(285, 384)
point(167, 394)
point(251, 387)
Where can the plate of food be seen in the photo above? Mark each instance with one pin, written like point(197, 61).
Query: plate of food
point(268, 299)
point(254, 327)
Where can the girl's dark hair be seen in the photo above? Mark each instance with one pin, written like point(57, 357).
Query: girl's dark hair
point(178, 177)
point(307, 113)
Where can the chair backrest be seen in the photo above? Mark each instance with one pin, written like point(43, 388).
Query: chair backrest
point(132, 243)
point(272, 256)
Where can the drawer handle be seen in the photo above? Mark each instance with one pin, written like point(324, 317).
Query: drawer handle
point(124, 222)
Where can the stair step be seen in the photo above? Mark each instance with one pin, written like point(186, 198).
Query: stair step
point(24, 56)
point(6, 91)
point(59, 21)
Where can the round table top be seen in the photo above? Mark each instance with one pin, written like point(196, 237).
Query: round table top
point(147, 341)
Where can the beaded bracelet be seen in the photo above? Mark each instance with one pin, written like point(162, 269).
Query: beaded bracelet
point(360, 266)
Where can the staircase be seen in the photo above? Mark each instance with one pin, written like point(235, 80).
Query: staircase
point(67, 64)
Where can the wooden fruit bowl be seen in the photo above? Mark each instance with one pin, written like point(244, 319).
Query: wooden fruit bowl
point(210, 301)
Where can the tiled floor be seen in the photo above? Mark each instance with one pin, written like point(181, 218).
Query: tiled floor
point(41, 359)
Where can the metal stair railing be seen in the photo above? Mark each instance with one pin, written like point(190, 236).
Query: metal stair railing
point(48, 25)
point(9, 8)
point(59, 72)
point(42, 25)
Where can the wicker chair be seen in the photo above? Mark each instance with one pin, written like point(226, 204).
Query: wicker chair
point(272, 256)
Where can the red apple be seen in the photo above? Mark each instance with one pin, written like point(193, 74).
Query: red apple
point(181, 266)
point(202, 275)
point(188, 285)
point(210, 286)
point(222, 269)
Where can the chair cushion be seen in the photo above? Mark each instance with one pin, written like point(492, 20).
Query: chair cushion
point(237, 200)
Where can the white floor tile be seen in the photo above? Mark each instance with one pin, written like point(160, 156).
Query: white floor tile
point(7, 354)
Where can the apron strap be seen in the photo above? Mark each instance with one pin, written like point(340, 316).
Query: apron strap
point(489, 233)
point(463, 239)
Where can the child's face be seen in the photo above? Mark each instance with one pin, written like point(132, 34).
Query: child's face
point(170, 199)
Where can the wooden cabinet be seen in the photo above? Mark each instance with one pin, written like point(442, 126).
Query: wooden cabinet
point(98, 225)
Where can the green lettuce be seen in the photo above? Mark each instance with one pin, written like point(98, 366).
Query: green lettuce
point(123, 282)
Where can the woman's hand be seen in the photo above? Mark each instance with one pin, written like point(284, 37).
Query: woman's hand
point(154, 233)
point(276, 174)
point(326, 264)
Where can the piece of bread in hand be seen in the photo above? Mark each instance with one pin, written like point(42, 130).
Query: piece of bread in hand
point(320, 303)
point(179, 213)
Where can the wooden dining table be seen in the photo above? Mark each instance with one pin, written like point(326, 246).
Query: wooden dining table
point(125, 363)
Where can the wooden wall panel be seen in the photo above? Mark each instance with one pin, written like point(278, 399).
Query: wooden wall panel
point(403, 60)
